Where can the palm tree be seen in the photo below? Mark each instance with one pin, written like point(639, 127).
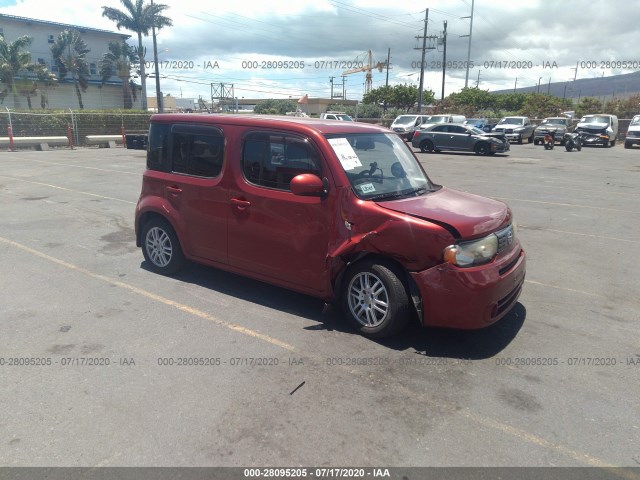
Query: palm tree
point(70, 54)
point(14, 64)
point(117, 62)
point(139, 18)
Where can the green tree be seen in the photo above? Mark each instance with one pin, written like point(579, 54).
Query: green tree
point(510, 102)
point(588, 105)
point(139, 18)
point(540, 105)
point(399, 96)
point(16, 70)
point(276, 107)
point(117, 62)
point(70, 54)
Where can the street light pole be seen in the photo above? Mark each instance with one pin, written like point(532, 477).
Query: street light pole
point(155, 61)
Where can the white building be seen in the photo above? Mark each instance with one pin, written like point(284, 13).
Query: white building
point(63, 96)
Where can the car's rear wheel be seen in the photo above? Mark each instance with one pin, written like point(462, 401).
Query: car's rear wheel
point(426, 146)
point(374, 299)
point(520, 140)
point(482, 149)
point(161, 248)
point(531, 138)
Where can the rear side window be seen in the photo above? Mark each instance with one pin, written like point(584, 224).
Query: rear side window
point(196, 150)
point(158, 147)
point(272, 159)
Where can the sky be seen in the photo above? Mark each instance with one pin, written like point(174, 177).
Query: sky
point(248, 43)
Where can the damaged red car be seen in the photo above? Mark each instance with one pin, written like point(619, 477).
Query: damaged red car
point(342, 211)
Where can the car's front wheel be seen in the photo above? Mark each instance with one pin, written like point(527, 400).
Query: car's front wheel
point(482, 149)
point(161, 248)
point(426, 146)
point(374, 299)
point(627, 144)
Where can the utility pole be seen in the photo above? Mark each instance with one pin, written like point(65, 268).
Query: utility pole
point(159, 98)
point(423, 63)
point(466, 77)
point(478, 81)
point(549, 86)
point(576, 74)
point(515, 85)
point(331, 81)
point(444, 56)
point(388, 59)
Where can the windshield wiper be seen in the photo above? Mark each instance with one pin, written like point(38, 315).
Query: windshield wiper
point(388, 196)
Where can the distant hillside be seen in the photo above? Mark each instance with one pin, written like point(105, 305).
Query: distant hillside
point(618, 86)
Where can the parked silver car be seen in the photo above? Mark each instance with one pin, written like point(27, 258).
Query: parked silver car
point(462, 138)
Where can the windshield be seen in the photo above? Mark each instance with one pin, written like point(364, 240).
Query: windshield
point(511, 121)
point(635, 121)
point(595, 119)
point(438, 119)
point(405, 120)
point(554, 121)
point(379, 166)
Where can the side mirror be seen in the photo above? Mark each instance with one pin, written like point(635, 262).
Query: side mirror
point(308, 185)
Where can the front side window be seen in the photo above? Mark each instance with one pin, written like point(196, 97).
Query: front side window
point(272, 159)
point(379, 166)
point(196, 150)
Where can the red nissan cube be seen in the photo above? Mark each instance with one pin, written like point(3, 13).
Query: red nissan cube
point(342, 211)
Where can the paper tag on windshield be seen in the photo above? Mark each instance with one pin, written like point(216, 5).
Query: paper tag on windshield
point(345, 152)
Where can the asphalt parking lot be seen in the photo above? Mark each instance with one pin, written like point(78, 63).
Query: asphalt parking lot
point(88, 335)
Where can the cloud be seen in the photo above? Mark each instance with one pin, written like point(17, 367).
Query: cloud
point(511, 40)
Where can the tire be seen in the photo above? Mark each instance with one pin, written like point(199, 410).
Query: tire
point(613, 143)
point(627, 144)
point(536, 142)
point(568, 147)
point(161, 248)
point(531, 138)
point(374, 299)
point(520, 140)
point(426, 146)
point(482, 149)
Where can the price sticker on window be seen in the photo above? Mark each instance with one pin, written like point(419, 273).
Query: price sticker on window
point(367, 188)
point(345, 152)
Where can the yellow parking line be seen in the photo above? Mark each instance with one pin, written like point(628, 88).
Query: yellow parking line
point(111, 170)
point(558, 204)
point(68, 189)
point(526, 227)
point(152, 296)
point(582, 292)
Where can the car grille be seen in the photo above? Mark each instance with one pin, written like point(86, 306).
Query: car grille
point(504, 130)
point(505, 238)
point(592, 131)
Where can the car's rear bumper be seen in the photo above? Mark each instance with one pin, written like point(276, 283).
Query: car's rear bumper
point(471, 298)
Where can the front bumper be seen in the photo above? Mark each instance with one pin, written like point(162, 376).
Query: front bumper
point(594, 140)
point(632, 140)
point(471, 298)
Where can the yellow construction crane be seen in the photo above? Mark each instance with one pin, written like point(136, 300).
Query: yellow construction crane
point(367, 68)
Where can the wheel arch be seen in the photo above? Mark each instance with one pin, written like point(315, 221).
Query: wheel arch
point(146, 217)
point(407, 280)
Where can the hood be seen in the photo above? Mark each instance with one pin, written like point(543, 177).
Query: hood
point(470, 215)
point(509, 125)
point(593, 126)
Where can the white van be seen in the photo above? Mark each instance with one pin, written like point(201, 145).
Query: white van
point(446, 119)
point(633, 133)
point(405, 125)
point(598, 129)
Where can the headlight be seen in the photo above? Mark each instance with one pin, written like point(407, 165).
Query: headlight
point(468, 254)
point(518, 129)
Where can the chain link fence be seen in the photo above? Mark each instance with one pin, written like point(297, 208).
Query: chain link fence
point(78, 124)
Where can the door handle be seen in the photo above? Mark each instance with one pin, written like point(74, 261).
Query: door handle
point(241, 204)
point(174, 190)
